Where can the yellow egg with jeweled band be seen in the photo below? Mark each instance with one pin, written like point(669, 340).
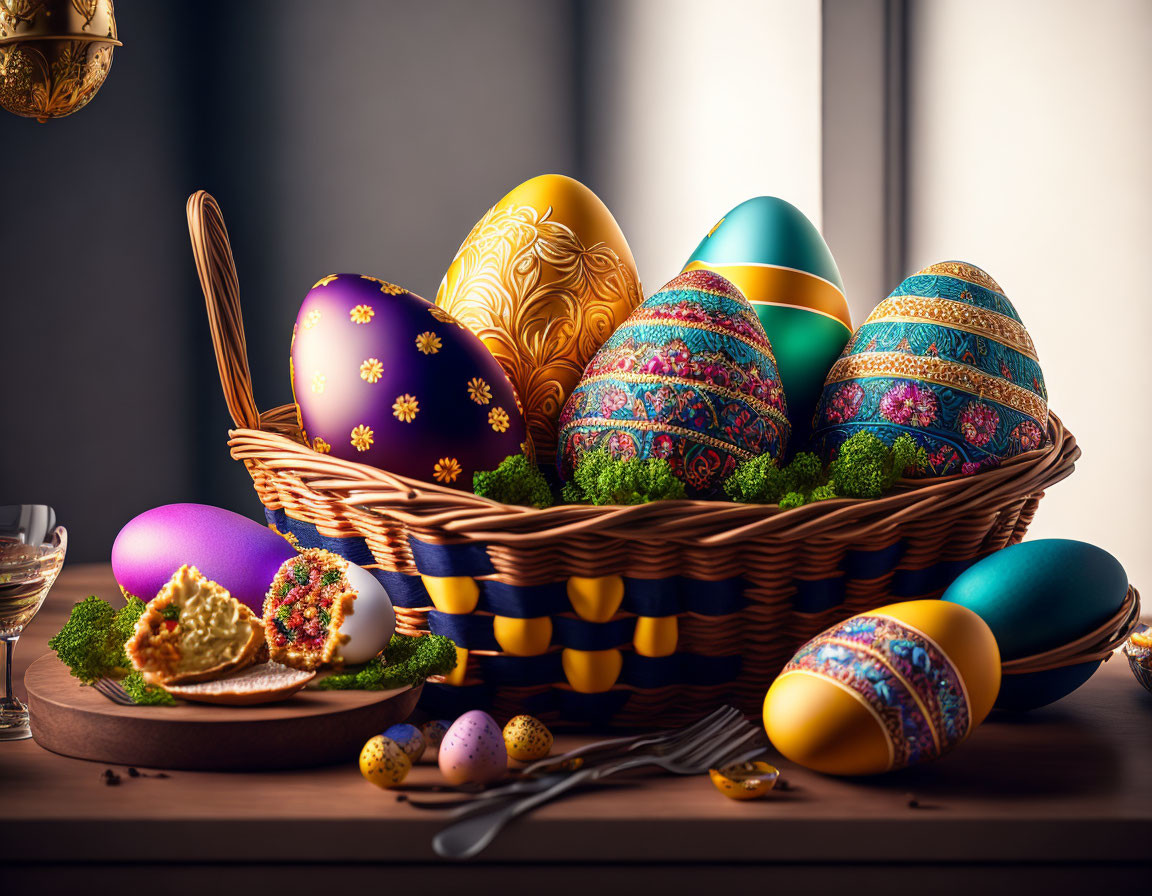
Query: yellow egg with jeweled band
point(527, 739)
point(543, 279)
point(384, 763)
point(885, 689)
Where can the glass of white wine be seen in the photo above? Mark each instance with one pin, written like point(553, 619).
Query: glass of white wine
point(32, 550)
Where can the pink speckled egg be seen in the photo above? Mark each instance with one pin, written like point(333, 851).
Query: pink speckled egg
point(473, 750)
point(385, 378)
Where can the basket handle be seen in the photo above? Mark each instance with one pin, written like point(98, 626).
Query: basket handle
point(218, 279)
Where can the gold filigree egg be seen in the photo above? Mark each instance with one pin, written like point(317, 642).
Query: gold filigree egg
point(54, 54)
point(543, 279)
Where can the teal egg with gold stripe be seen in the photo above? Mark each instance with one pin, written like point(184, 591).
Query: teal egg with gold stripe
point(777, 258)
point(946, 359)
point(689, 377)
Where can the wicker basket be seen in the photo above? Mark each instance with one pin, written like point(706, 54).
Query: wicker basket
point(650, 614)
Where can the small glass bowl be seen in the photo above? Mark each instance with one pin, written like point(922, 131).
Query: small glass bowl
point(1140, 658)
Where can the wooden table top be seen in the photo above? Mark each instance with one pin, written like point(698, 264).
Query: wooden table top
point(1070, 783)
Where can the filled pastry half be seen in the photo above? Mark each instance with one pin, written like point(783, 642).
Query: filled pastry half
point(305, 607)
point(193, 630)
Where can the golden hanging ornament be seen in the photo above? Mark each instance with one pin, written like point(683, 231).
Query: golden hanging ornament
point(54, 54)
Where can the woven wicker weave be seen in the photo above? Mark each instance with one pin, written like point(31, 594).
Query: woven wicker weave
point(744, 585)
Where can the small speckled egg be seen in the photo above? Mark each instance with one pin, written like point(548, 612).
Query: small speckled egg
point(409, 738)
point(434, 732)
point(527, 739)
point(382, 377)
point(746, 781)
point(473, 750)
point(384, 762)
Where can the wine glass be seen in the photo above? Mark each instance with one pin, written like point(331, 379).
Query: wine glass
point(32, 550)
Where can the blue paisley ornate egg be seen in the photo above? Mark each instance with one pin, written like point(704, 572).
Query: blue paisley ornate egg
point(385, 378)
point(946, 359)
point(690, 377)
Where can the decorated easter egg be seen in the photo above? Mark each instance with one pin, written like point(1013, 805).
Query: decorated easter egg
point(527, 739)
point(886, 689)
point(383, 377)
point(473, 750)
point(1037, 596)
point(690, 377)
point(543, 278)
point(409, 738)
point(384, 762)
point(775, 256)
point(238, 553)
point(945, 359)
point(433, 733)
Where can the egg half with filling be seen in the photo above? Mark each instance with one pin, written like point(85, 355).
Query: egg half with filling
point(885, 689)
point(689, 377)
point(543, 278)
point(946, 359)
point(382, 377)
point(778, 259)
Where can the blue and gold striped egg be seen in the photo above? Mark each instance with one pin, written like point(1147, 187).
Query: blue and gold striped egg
point(778, 259)
point(946, 359)
point(689, 377)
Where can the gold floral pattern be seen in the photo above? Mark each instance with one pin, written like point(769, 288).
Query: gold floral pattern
point(479, 391)
point(428, 342)
point(322, 447)
point(324, 281)
point(498, 419)
point(405, 408)
point(318, 380)
point(311, 318)
point(51, 78)
point(446, 469)
point(385, 287)
point(362, 438)
point(965, 317)
point(542, 302)
point(361, 314)
point(371, 370)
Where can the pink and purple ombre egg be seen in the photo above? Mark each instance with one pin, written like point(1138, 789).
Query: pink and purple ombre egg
point(228, 548)
point(386, 378)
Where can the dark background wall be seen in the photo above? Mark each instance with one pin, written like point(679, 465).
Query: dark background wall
point(360, 136)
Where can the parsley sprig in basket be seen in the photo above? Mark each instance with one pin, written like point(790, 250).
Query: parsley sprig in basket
point(646, 614)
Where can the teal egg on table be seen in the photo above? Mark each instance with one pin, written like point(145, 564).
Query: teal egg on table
point(1037, 596)
point(946, 360)
point(779, 260)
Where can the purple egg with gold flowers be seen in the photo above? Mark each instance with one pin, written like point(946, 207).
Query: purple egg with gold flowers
point(385, 378)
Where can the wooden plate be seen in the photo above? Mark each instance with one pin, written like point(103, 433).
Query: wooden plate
point(311, 728)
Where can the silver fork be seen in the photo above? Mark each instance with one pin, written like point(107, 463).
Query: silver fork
point(617, 745)
point(113, 691)
point(468, 837)
point(657, 745)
